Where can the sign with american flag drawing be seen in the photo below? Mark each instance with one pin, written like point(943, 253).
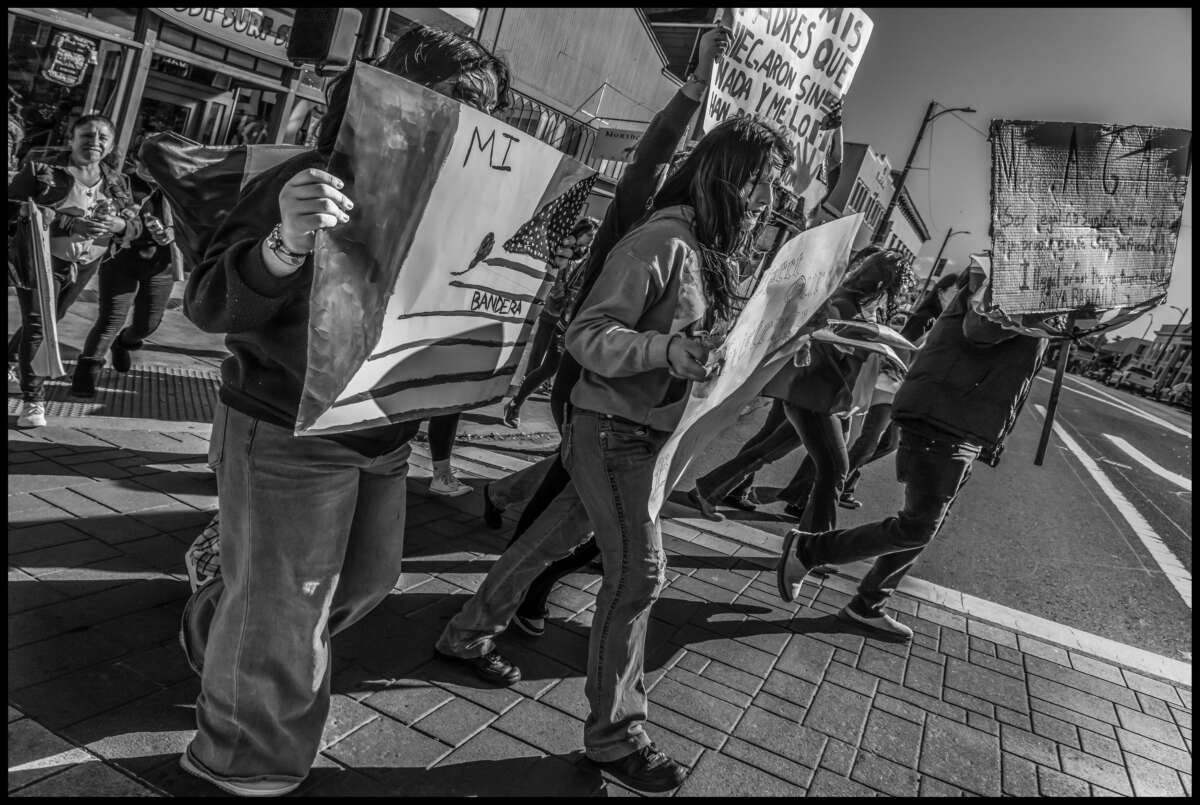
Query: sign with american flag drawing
point(423, 303)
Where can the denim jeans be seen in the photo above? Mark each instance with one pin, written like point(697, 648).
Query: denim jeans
point(611, 463)
point(547, 352)
point(27, 340)
point(312, 534)
point(933, 472)
point(819, 481)
point(870, 445)
point(128, 281)
point(774, 440)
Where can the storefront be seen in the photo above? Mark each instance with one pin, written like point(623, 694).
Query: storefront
point(218, 76)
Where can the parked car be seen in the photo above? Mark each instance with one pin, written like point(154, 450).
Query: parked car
point(1181, 395)
point(1136, 379)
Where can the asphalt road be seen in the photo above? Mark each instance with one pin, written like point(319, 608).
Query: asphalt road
point(1083, 548)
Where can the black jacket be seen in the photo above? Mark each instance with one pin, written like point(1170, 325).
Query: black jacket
point(970, 379)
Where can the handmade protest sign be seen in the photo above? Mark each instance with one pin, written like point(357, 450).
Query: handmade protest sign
point(802, 276)
point(787, 65)
point(1085, 217)
point(423, 302)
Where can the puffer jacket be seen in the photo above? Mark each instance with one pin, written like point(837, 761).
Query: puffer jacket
point(969, 380)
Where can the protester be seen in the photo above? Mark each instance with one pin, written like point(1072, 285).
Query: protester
point(139, 276)
point(545, 354)
point(654, 154)
point(311, 527)
point(88, 202)
point(961, 397)
point(672, 276)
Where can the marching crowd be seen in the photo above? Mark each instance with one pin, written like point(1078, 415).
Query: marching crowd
point(311, 528)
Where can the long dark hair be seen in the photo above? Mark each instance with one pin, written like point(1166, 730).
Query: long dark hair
point(735, 153)
point(426, 56)
point(875, 272)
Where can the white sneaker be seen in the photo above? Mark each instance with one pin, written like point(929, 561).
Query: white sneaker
point(790, 572)
point(883, 625)
point(449, 486)
point(33, 415)
point(258, 789)
point(14, 380)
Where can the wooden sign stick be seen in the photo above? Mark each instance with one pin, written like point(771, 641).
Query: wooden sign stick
point(1055, 389)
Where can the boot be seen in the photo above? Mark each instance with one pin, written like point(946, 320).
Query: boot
point(83, 384)
point(120, 354)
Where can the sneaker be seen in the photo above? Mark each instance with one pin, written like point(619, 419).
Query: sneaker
point(33, 414)
point(203, 558)
point(121, 360)
point(493, 515)
point(742, 502)
point(790, 572)
point(881, 625)
point(848, 501)
point(264, 788)
point(447, 485)
point(512, 416)
point(708, 510)
point(794, 510)
point(491, 667)
point(534, 627)
point(14, 380)
point(647, 769)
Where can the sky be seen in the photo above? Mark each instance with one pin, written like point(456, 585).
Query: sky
point(1097, 65)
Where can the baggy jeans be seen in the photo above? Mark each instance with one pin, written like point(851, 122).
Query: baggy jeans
point(611, 463)
point(312, 534)
point(933, 472)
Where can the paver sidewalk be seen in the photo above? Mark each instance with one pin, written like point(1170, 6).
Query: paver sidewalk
point(757, 697)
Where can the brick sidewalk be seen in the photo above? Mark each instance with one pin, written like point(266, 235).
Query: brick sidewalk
point(759, 698)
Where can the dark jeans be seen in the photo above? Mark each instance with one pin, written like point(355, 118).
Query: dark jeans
point(27, 340)
point(933, 472)
point(544, 358)
point(441, 432)
point(824, 436)
point(773, 440)
point(870, 444)
point(128, 281)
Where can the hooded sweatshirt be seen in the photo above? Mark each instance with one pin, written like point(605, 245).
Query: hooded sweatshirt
point(648, 291)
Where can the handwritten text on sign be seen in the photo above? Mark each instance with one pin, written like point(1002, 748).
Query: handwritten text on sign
point(1084, 215)
point(787, 65)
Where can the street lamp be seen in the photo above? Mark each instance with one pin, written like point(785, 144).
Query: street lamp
point(930, 116)
point(949, 234)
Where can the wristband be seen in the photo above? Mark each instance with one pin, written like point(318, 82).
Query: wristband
point(275, 244)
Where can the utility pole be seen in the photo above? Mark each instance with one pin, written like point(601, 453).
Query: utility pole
point(949, 234)
point(1167, 346)
point(930, 116)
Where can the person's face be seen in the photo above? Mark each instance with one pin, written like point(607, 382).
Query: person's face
point(91, 143)
point(760, 195)
point(583, 241)
point(474, 90)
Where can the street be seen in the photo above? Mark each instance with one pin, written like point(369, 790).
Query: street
point(1052, 541)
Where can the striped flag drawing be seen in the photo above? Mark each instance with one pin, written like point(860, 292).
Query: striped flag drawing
point(423, 302)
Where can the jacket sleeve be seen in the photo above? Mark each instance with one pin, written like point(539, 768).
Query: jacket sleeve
point(231, 290)
point(602, 336)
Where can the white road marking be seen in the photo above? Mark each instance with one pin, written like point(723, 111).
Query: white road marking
point(1175, 572)
point(1148, 463)
point(1115, 464)
point(1124, 406)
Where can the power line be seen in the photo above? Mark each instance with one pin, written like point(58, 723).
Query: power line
point(968, 125)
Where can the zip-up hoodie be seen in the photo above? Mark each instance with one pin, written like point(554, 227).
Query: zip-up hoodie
point(622, 331)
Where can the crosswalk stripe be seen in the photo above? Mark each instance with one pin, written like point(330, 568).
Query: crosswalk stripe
point(1148, 463)
point(1171, 567)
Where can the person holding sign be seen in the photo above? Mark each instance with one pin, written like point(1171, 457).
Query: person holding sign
point(959, 401)
point(636, 337)
point(89, 201)
point(312, 527)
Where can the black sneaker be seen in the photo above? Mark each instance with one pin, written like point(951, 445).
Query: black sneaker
point(121, 359)
point(490, 667)
point(848, 501)
point(647, 769)
point(794, 510)
point(742, 502)
point(493, 515)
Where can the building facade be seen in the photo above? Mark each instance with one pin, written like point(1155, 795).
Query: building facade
point(865, 186)
point(1170, 357)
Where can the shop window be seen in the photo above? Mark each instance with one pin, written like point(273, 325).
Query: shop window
point(239, 59)
point(206, 47)
point(55, 76)
point(174, 35)
point(271, 69)
point(121, 17)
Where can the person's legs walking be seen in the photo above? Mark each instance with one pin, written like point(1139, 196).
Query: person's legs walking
point(543, 372)
point(824, 437)
point(154, 291)
point(118, 285)
point(442, 431)
point(773, 440)
point(865, 449)
point(33, 393)
point(288, 511)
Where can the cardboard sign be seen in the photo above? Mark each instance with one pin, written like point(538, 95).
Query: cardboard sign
point(1085, 217)
point(47, 361)
point(786, 65)
point(802, 276)
point(422, 304)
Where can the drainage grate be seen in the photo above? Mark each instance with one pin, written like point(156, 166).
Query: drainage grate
point(166, 393)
